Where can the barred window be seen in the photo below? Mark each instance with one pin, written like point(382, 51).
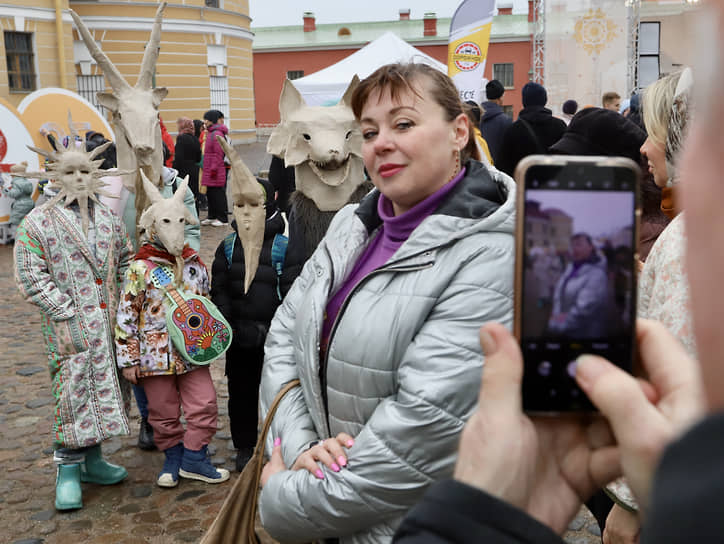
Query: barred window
point(504, 73)
point(295, 74)
point(212, 3)
point(220, 96)
point(89, 87)
point(20, 61)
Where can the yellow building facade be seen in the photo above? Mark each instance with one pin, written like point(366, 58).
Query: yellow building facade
point(205, 59)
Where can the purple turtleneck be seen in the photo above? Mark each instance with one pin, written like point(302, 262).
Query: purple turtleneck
point(393, 233)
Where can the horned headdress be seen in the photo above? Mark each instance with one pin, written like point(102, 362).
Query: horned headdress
point(134, 111)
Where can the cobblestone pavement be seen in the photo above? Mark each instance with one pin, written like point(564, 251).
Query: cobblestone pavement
point(136, 510)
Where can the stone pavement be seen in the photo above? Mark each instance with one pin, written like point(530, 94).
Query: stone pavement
point(135, 511)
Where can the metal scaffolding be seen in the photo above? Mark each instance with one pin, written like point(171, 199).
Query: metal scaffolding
point(539, 41)
point(633, 17)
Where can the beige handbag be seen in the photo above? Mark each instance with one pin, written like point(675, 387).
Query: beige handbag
point(235, 522)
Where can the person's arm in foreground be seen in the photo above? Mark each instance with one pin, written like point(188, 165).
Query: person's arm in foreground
point(546, 467)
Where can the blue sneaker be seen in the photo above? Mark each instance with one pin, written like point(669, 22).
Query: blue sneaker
point(168, 477)
point(196, 465)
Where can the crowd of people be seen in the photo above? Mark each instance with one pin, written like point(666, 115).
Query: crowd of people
point(407, 424)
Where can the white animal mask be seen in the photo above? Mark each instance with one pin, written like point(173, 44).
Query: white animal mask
point(248, 197)
point(324, 144)
point(164, 220)
point(74, 172)
point(134, 111)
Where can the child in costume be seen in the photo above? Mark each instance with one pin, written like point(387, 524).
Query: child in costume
point(70, 258)
point(250, 309)
point(21, 190)
point(145, 349)
point(168, 184)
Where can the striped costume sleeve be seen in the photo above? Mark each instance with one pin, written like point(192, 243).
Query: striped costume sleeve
point(34, 279)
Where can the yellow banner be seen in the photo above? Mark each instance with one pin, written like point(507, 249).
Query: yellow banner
point(469, 52)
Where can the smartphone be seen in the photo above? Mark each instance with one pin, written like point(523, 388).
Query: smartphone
point(575, 272)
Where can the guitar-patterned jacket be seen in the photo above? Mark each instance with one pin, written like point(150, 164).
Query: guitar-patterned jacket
point(142, 336)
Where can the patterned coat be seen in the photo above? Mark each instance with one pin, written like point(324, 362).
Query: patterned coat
point(76, 287)
point(141, 333)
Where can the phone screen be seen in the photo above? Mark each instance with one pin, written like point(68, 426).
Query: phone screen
point(578, 277)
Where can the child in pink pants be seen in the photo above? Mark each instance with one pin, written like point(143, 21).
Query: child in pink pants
point(146, 354)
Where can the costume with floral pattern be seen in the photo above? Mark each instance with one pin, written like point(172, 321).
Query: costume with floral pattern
point(74, 279)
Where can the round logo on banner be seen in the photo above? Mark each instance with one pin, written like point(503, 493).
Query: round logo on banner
point(3, 146)
point(467, 56)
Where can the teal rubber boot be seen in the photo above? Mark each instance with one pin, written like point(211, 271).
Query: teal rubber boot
point(97, 470)
point(68, 494)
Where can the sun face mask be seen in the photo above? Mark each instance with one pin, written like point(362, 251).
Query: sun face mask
point(248, 197)
point(323, 144)
point(75, 173)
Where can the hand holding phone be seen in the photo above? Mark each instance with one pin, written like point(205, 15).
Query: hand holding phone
point(576, 263)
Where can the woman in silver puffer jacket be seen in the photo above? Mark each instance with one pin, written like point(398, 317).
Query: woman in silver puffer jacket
point(381, 327)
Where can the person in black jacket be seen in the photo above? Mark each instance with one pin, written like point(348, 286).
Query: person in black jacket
point(495, 121)
point(250, 315)
point(188, 155)
point(282, 178)
point(534, 132)
point(527, 485)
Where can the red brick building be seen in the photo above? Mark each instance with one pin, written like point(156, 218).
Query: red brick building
point(296, 51)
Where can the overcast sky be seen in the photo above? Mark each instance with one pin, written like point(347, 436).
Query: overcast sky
point(597, 213)
point(289, 12)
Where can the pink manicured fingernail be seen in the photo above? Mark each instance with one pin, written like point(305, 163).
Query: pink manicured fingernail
point(335, 467)
point(350, 443)
point(277, 442)
point(319, 474)
point(342, 461)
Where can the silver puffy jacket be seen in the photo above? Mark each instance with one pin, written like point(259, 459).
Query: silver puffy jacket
point(403, 365)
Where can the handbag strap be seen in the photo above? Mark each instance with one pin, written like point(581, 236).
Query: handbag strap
point(259, 448)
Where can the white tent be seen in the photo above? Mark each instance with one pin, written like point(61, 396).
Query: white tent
point(328, 85)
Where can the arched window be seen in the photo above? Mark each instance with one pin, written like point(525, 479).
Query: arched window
point(344, 31)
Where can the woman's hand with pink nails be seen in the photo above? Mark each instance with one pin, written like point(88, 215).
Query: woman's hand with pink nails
point(329, 452)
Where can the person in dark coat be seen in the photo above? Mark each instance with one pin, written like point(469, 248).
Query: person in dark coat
point(534, 132)
point(282, 178)
point(250, 315)
point(495, 121)
point(597, 131)
point(94, 139)
point(188, 154)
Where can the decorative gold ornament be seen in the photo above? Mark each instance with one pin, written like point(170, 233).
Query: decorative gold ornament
point(594, 31)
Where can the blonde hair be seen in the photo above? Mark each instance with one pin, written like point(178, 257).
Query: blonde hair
point(657, 104)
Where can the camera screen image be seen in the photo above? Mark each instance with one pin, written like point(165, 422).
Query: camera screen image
point(578, 285)
point(578, 255)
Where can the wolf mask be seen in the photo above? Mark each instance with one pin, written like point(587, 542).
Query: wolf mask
point(323, 144)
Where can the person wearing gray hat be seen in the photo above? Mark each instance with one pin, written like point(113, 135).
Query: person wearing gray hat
point(495, 121)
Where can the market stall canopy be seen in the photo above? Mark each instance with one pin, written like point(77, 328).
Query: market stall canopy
point(327, 86)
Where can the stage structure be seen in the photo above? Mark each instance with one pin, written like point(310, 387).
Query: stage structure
point(634, 19)
point(584, 48)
